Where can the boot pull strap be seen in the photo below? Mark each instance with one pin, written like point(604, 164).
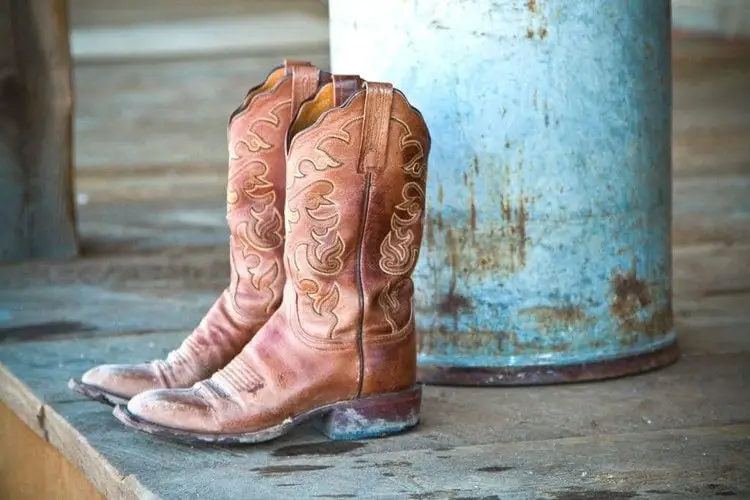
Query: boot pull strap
point(375, 125)
point(304, 81)
point(344, 86)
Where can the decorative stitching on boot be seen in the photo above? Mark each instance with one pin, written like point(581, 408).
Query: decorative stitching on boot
point(320, 251)
point(261, 228)
point(237, 377)
point(399, 250)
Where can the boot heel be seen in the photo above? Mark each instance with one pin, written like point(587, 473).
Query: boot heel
point(372, 417)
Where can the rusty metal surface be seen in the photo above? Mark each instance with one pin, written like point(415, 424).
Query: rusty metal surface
point(547, 238)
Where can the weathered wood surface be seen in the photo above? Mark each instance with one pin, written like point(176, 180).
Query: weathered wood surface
point(166, 75)
point(142, 30)
point(677, 432)
point(31, 469)
point(155, 257)
point(36, 183)
point(655, 402)
point(169, 113)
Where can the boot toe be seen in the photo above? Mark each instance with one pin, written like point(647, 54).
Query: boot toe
point(121, 380)
point(180, 409)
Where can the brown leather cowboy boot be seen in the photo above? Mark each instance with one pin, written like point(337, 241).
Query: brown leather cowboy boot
point(255, 201)
point(341, 347)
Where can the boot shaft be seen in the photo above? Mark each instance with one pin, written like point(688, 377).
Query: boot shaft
point(356, 178)
point(255, 188)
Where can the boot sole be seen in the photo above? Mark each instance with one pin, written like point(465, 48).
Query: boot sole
point(96, 394)
point(367, 418)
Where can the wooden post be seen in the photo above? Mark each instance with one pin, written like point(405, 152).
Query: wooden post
point(37, 210)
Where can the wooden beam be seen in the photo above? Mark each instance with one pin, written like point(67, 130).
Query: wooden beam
point(36, 109)
point(33, 469)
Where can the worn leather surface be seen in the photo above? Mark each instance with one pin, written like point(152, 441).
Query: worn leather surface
point(344, 86)
point(354, 215)
point(255, 204)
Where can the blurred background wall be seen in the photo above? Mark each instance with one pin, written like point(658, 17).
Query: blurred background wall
point(156, 81)
point(717, 17)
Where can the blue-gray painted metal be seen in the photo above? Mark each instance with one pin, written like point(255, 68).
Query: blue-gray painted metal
point(549, 190)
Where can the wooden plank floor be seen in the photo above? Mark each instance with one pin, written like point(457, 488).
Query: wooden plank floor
point(155, 258)
point(165, 75)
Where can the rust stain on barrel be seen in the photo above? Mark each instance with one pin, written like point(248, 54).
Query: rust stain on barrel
point(554, 320)
point(522, 216)
point(429, 229)
point(630, 295)
point(548, 316)
point(516, 219)
point(450, 243)
point(632, 299)
point(470, 184)
point(659, 323)
point(453, 303)
point(483, 238)
point(506, 210)
point(463, 342)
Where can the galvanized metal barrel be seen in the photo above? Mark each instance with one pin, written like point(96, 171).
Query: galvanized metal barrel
point(546, 255)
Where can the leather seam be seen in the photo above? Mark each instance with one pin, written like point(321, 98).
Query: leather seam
point(360, 284)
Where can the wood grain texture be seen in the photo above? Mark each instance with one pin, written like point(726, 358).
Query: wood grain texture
point(142, 114)
point(156, 81)
point(280, 31)
point(36, 132)
point(675, 430)
point(32, 469)
point(98, 14)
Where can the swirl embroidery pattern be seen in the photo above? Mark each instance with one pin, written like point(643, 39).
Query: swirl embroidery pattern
point(251, 207)
point(321, 254)
point(398, 250)
point(398, 254)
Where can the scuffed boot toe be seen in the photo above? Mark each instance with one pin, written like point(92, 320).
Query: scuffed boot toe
point(117, 383)
point(176, 409)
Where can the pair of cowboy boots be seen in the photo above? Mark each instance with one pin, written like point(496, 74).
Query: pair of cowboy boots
point(317, 321)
